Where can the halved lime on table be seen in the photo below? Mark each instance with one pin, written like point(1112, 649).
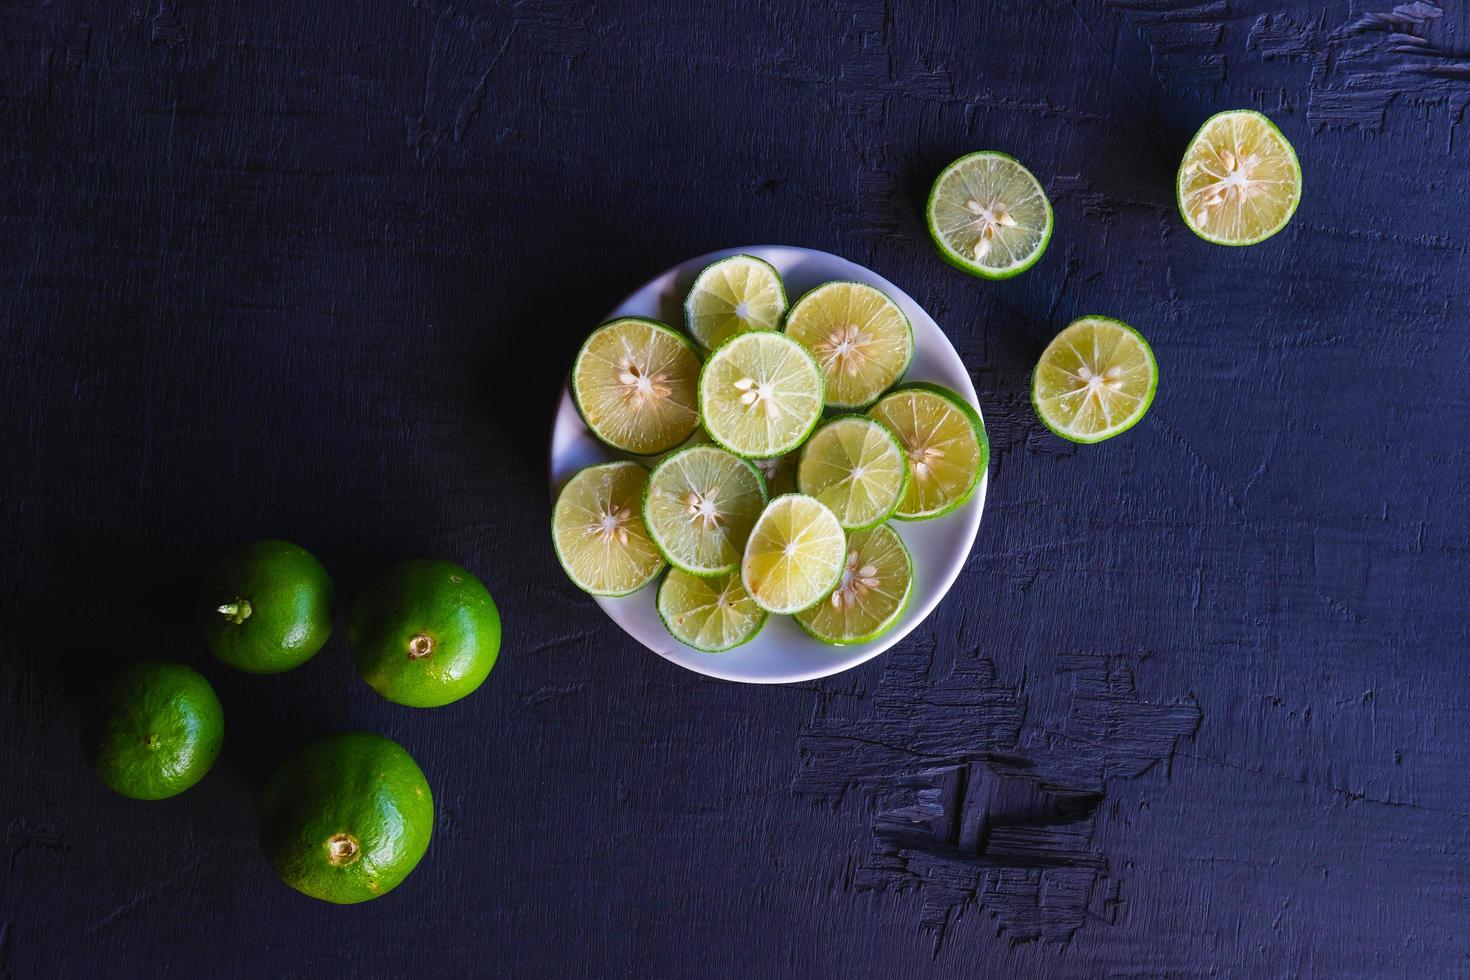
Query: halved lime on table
point(1095, 379)
point(989, 216)
point(1240, 181)
point(877, 582)
point(699, 507)
point(733, 296)
point(795, 554)
point(153, 729)
point(710, 614)
point(860, 337)
point(598, 531)
point(945, 442)
point(760, 394)
point(634, 382)
point(855, 465)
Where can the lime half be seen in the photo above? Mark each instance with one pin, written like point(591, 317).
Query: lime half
point(1240, 181)
point(874, 590)
point(700, 506)
point(946, 446)
point(860, 337)
point(989, 216)
point(598, 531)
point(733, 296)
point(709, 614)
point(794, 556)
point(1095, 379)
point(760, 394)
point(854, 465)
point(634, 381)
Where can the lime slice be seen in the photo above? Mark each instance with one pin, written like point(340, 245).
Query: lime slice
point(597, 529)
point(709, 614)
point(700, 506)
point(760, 394)
point(855, 466)
point(1094, 380)
point(1240, 181)
point(634, 381)
point(794, 556)
point(945, 442)
point(860, 337)
point(989, 216)
point(873, 592)
point(734, 296)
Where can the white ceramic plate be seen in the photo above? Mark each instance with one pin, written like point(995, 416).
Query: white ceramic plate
point(782, 653)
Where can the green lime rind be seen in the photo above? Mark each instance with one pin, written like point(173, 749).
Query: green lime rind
point(672, 554)
point(1189, 149)
point(153, 729)
point(691, 317)
point(981, 436)
point(805, 618)
point(811, 295)
point(759, 452)
point(674, 590)
point(1148, 399)
point(804, 479)
point(634, 504)
point(266, 607)
point(578, 396)
point(953, 257)
point(745, 565)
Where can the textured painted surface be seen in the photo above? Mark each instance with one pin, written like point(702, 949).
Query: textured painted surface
point(1194, 708)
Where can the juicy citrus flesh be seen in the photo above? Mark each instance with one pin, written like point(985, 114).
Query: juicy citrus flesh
point(598, 530)
point(153, 730)
point(945, 445)
point(700, 506)
point(1094, 380)
point(635, 382)
point(424, 633)
point(795, 553)
point(760, 394)
point(266, 607)
point(858, 335)
point(1240, 181)
point(876, 583)
point(710, 614)
point(346, 818)
point(855, 466)
point(734, 296)
point(989, 215)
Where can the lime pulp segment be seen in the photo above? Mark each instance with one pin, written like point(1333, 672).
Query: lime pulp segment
point(598, 531)
point(859, 336)
point(711, 615)
point(1095, 379)
point(854, 465)
point(734, 296)
point(877, 581)
point(760, 394)
point(635, 382)
point(700, 506)
point(989, 216)
point(945, 443)
point(795, 554)
point(1240, 181)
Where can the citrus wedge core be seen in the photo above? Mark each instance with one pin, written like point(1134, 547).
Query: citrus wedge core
point(634, 382)
point(1240, 181)
point(854, 465)
point(710, 614)
point(734, 296)
point(1094, 380)
point(877, 581)
point(598, 531)
point(859, 336)
point(989, 216)
point(795, 554)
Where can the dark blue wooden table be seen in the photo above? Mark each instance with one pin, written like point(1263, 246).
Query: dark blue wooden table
point(1195, 707)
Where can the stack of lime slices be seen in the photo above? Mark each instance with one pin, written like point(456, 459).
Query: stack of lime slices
point(779, 503)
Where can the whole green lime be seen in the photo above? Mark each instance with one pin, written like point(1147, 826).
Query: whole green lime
point(153, 729)
point(424, 633)
point(346, 818)
point(266, 607)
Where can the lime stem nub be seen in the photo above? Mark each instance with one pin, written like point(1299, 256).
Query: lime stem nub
point(342, 849)
point(236, 612)
point(420, 645)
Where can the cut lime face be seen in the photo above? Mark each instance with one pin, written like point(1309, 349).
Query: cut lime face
point(734, 296)
point(709, 614)
point(700, 506)
point(1094, 380)
point(760, 394)
point(945, 443)
point(858, 335)
point(877, 581)
point(597, 528)
point(989, 216)
point(794, 556)
point(634, 382)
point(1240, 181)
point(854, 465)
